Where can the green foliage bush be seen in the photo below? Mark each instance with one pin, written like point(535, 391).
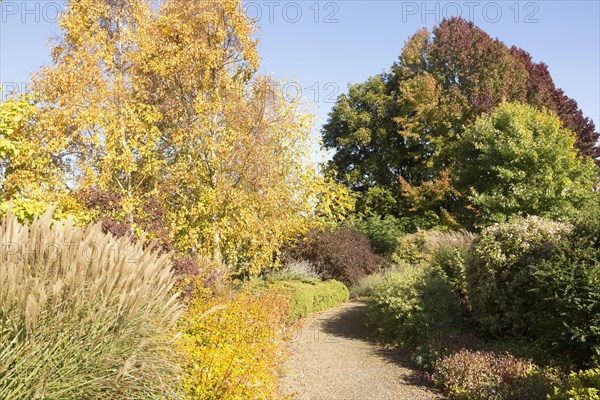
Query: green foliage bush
point(582, 385)
point(500, 278)
point(383, 233)
point(528, 284)
point(538, 279)
point(446, 251)
point(521, 161)
point(408, 306)
point(83, 315)
point(342, 253)
point(569, 283)
point(428, 294)
point(311, 295)
point(414, 248)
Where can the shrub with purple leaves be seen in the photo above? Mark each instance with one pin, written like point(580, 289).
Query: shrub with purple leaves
point(473, 375)
point(342, 253)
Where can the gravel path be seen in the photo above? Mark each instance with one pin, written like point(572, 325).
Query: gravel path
point(332, 358)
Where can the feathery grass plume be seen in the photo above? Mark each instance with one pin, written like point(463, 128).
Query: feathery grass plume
point(295, 270)
point(83, 315)
point(419, 247)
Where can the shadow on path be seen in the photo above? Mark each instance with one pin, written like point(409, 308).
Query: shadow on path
point(335, 357)
point(351, 323)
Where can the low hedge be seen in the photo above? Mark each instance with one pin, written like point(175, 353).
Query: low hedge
point(311, 295)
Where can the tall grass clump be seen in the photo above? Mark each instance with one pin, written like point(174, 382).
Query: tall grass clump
point(295, 270)
point(364, 287)
point(420, 247)
point(83, 315)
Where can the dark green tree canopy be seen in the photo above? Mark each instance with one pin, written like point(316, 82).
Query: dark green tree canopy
point(358, 127)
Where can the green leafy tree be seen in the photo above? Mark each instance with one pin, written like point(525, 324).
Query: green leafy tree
point(359, 127)
point(520, 161)
point(383, 233)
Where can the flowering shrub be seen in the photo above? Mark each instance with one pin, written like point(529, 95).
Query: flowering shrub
point(231, 343)
point(474, 375)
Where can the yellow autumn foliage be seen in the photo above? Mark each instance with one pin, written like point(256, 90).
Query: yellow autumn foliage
point(231, 344)
point(163, 102)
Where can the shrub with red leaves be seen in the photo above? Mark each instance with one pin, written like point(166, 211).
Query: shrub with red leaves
point(473, 375)
point(107, 206)
point(341, 253)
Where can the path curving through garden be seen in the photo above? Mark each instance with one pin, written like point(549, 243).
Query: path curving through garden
point(332, 357)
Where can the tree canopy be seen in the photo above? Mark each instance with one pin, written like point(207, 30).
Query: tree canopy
point(521, 161)
point(159, 121)
point(395, 136)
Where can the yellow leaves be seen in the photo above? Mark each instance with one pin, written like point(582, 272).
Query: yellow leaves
point(166, 102)
point(27, 168)
point(231, 343)
point(238, 167)
point(335, 202)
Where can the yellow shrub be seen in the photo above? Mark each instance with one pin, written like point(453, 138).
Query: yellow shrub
point(231, 344)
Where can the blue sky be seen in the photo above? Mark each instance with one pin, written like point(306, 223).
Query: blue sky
point(324, 45)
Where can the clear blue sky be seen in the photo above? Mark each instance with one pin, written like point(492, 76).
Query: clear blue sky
point(324, 45)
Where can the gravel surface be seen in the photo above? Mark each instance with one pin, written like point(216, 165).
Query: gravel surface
point(332, 358)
